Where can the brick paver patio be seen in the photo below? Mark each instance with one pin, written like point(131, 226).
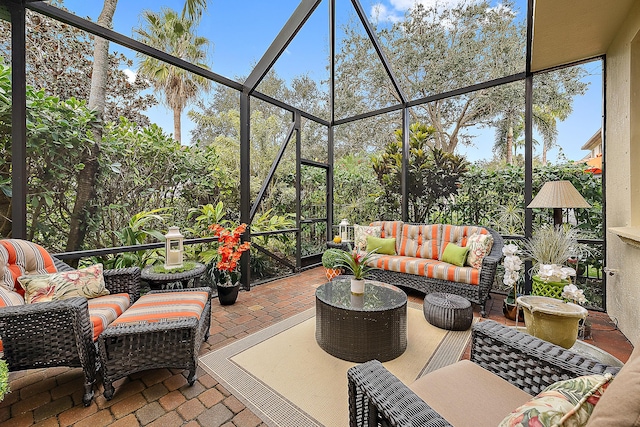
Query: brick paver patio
point(161, 397)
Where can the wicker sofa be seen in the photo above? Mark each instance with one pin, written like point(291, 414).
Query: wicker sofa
point(466, 394)
point(417, 263)
point(60, 333)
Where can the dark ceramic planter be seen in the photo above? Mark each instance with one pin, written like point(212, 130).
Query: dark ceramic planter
point(227, 295)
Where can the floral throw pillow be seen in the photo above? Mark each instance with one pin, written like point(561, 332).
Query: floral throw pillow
point(479, 246)
point(361, 232)
point(86, 282)
point(564, 403)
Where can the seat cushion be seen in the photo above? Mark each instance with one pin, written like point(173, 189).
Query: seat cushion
point(104, 310)
point(20, 257)
point(619, 406)
point(421, 241)
point(163, 306)
point(426, 267)
point(467, 395)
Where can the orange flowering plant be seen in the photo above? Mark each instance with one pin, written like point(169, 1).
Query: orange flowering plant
point(229, 252)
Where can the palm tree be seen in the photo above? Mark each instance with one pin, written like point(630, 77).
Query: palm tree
point(193, 9)
point(173, 34)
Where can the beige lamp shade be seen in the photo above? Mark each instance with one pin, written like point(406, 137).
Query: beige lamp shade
point(558, 194)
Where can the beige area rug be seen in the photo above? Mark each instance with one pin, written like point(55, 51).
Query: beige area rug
point(283, 376)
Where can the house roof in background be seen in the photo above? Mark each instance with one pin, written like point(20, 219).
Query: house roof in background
point(566, 31)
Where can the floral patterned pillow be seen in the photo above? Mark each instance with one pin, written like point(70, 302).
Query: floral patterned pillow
point(479, 246)
point(564, 403)
point(361, 232)
point(86, 282)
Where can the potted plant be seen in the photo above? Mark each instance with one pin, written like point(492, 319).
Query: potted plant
point(550, 248)
point(356, 262)
point(225, 272)
point(512, 265)
point(330, 263)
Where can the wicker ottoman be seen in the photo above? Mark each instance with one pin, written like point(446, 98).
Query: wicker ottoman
point(163, 329)
point(448, 311)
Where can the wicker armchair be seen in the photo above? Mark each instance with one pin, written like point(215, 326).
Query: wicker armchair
point(59, 333)
point(377, 397)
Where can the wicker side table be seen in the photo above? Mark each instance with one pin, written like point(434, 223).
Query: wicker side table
point(448, 311)
point(158, 280)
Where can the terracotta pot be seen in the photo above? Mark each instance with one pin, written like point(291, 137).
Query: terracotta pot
point(331, 273)
point(509, 311)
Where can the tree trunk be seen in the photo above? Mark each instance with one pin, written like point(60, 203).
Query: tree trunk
point(509, 149)
point(177, 134)
point(84, 206)
point(544, 152)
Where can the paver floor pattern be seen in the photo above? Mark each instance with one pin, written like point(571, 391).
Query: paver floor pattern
point(161, 397)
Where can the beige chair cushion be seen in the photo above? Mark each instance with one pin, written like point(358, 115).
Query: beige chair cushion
point(467, 395)
point(619, 405)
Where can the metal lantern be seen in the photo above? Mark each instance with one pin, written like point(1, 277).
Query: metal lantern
point(174, 249)
point(344, 230)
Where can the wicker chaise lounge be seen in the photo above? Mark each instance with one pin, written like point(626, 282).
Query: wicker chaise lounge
point(377, 397)
point(60, 333)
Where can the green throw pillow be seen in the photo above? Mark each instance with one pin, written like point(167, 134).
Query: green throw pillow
point(384, 246)
point(454, 254)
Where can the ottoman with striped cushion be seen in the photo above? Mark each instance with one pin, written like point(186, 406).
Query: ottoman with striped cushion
point(162, 329)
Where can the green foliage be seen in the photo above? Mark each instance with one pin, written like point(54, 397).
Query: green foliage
point(57, 133)
point(4, 379)
point(137, 232)
point(330, 258)
point(434, 175)
point(186, 266)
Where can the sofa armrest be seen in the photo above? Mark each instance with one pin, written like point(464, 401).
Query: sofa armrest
point(47, 334)
point(123, 280)
point(527, 362)
point(377, 394)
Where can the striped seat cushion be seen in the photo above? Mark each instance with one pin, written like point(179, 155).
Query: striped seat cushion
point(19, 258)
point(159, 307)
point(104, 310)
point(426, 267)
point(421, 241)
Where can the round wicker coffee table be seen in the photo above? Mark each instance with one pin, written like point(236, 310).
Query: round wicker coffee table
point(448, 311)
point(359, 328)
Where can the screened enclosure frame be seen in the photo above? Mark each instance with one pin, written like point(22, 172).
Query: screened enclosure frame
point(14, 10)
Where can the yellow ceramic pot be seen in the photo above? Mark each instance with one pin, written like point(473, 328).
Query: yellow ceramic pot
point(551, 319)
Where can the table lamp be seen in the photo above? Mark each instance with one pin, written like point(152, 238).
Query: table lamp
point(558, 195)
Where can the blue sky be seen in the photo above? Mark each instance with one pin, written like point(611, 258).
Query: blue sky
point(241, 31)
